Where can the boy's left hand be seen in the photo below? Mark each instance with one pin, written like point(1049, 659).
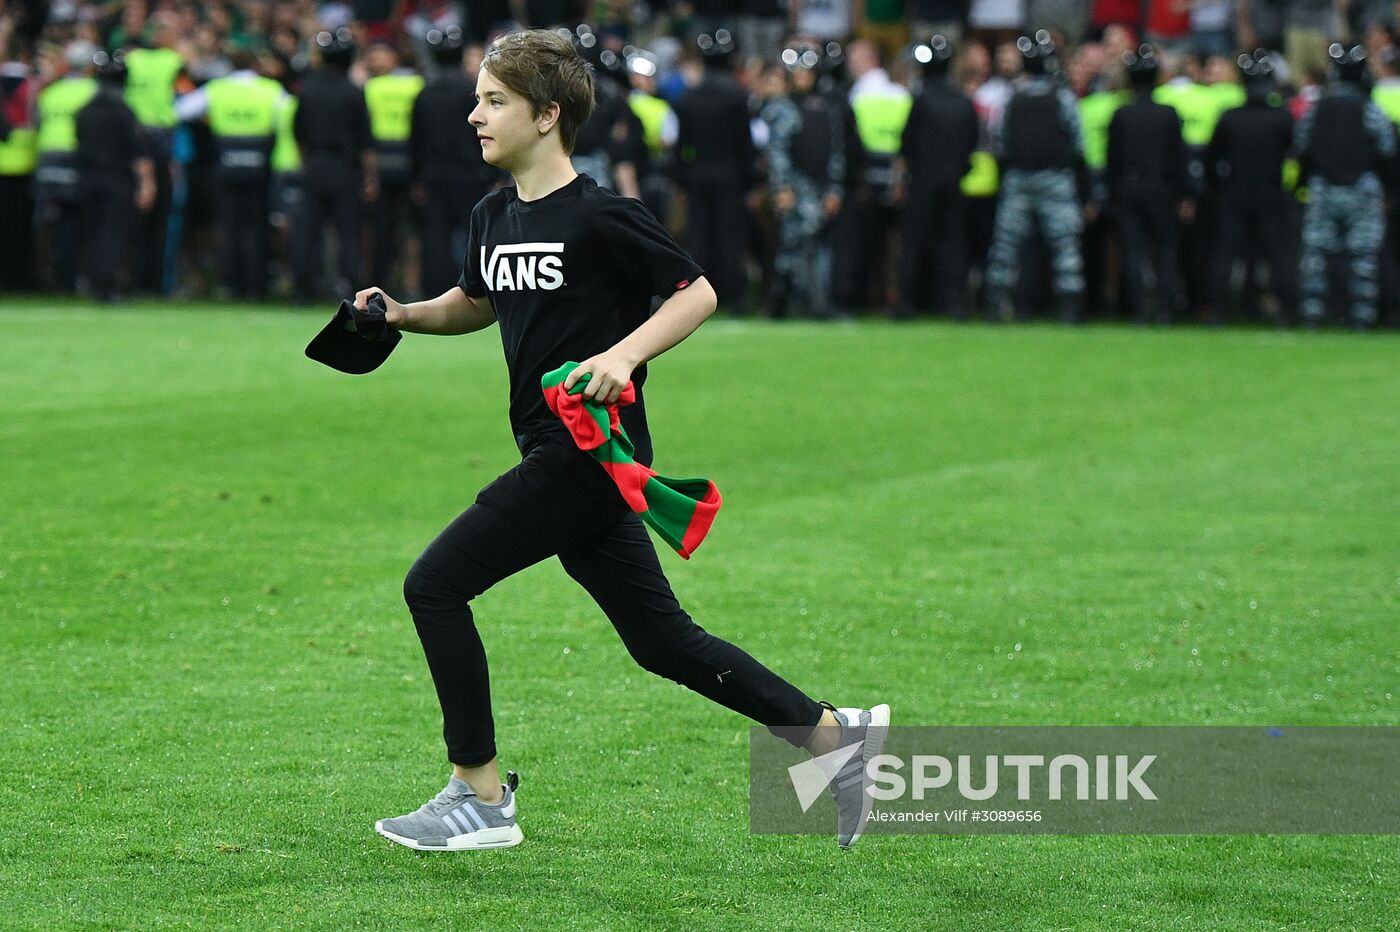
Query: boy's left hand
point(608, 373)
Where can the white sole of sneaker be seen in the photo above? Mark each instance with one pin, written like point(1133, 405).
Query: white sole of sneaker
point(505, 837)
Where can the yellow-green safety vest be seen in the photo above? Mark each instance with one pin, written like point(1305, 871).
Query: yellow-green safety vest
point(983, 178)
point(19, 153)
point(1197, 106)
point(59, 103)
point(1095, 113)
point(1387, 97)
point(150, 85)
point(390, 98)
point(1228, 94)
point(880, 120)
point(652, 112)
point(286, 156)
point(243, 107)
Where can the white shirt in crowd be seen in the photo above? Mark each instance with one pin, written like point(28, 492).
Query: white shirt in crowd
point(997, 14)
point(824, 19)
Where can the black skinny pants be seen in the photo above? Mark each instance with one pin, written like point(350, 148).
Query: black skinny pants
point(560, 502)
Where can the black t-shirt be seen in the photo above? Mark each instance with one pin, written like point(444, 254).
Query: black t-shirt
point(569, 274)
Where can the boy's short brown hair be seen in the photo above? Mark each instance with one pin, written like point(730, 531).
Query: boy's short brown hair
point(543, 67)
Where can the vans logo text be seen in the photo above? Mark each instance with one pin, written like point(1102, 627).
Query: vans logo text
point(524, 266)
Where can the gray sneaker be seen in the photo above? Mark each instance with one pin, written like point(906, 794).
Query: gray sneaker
point(851, 785)
point(456, 820)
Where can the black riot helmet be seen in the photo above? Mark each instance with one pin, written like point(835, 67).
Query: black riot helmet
point(803, 61)
point(337, 48)
point(445, 45)
point(585, 42)
point(1142, 66)
point(590, 47)
point(1038, 53)
point(717, 48)
point(801, 57)
point(935, 57)
point(1259, 72)
point(110, 67)
point(614, 65)
point(833, 64)
point(1348, 64)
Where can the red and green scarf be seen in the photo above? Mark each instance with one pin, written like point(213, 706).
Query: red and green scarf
point(680, 510)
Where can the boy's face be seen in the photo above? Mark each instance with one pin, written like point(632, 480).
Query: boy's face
point(507, 129)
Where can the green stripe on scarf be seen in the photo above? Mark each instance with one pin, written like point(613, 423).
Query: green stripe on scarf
point(680, 511)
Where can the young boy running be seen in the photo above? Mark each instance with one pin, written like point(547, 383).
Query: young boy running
point(568, 270)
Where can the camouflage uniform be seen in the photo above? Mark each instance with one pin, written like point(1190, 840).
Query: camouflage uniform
point(1345, 218)
point(802, 262)
point(1048, 198)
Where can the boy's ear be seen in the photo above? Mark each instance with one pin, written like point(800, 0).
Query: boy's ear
point(548, 118)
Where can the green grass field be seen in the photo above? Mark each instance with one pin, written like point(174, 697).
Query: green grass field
point(212, 687)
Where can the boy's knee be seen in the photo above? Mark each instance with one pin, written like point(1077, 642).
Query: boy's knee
point(423, 586)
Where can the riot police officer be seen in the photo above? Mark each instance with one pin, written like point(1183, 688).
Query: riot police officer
point(448, 169)
point(806, 167)
point(1040, 152)
point(1146, 177)
point(935, 153)
point(609, 146)
point(714, 168)
point(115, 169)
point(1345, 145)
point(332, 128)
point(1245, 163)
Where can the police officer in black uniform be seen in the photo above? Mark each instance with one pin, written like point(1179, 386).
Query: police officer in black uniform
point(449, 174)
point(1146, 178)
point(935, 152)
point(115, 172)
point(1254, 214)
point(714, 169)
point(609, 147)
point(332, 129)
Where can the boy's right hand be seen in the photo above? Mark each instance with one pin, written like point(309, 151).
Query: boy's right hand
point(394, 313)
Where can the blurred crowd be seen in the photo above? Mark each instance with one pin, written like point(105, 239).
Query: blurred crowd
point(1153, 160)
